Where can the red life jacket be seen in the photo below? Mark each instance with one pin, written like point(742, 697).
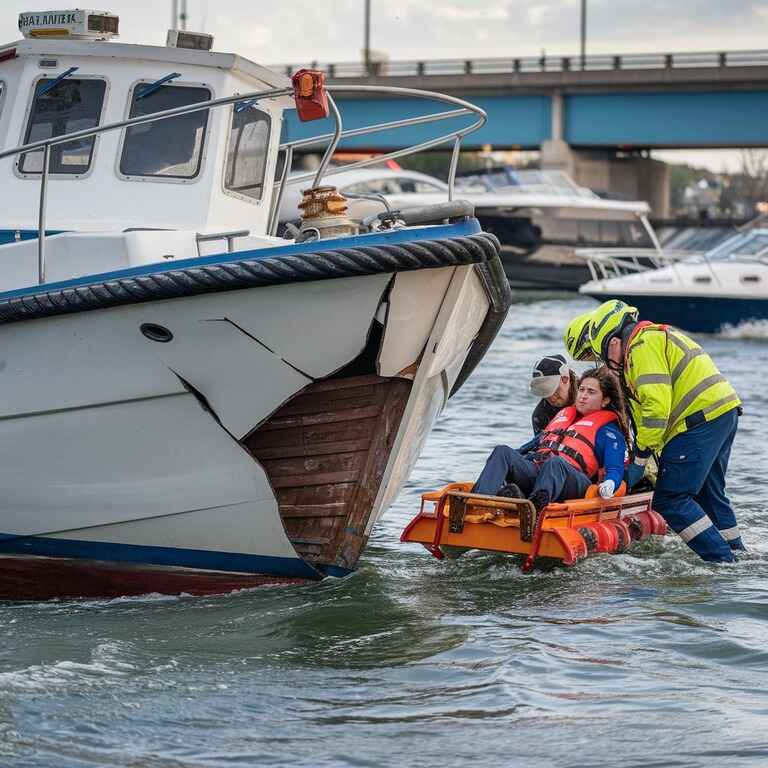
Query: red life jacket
point(573, 436)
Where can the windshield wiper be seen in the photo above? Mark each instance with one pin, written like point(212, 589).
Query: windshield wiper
point(50, 86)
point(149, 89)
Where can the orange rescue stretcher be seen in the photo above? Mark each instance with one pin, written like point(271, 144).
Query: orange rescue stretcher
point(453, 520)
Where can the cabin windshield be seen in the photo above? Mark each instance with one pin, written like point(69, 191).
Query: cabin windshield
point(71, 105)
point(171, 148)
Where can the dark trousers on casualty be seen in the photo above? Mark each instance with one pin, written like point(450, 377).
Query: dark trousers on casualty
point(559, 478)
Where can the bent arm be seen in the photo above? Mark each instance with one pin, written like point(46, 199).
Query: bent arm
point(610, 449)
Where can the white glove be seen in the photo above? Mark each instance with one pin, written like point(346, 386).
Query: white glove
point(606, 488)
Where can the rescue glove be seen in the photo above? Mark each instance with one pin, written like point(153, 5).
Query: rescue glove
point(634, 474)
point(607, 488)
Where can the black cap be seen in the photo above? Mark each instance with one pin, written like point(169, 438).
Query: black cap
point(551, 365)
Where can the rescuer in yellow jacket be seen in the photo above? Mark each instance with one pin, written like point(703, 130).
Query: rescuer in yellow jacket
point(686, 413)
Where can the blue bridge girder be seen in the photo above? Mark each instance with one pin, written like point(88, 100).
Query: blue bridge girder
point(647, 101)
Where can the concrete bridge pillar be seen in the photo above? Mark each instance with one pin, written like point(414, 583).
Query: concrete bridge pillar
point(556, 154)
point(631, 178)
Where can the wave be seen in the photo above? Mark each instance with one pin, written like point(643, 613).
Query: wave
point(749, 329)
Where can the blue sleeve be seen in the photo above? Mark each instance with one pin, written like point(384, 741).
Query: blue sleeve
point(610, 449)
point(531, 445)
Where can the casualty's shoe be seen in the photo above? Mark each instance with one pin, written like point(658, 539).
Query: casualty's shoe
point(539, 499)
point(510, 491)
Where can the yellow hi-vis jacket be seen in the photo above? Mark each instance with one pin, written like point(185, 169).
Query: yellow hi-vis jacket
point(670, 377)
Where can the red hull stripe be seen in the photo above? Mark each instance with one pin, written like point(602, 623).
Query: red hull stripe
point(168, 556)
point(43, 578)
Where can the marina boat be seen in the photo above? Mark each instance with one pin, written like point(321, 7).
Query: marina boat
point(453, 520)
point(540, 217)
point(718, 290)
point(190, 403)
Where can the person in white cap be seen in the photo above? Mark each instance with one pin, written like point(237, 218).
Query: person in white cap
point(584, 443)
point(555, 383)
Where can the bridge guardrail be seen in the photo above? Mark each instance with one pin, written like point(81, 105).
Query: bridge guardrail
point(539, 64)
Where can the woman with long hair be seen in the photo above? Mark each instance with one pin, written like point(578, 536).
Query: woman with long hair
point(584, 442)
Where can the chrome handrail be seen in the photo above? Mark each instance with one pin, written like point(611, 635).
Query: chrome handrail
point(230, 237)
point(465, 108)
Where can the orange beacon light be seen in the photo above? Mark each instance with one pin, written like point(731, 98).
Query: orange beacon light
point(310, 94)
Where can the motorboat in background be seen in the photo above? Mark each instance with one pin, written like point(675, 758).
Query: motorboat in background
point(190, 403)
point(718, 290)
point(540, 219)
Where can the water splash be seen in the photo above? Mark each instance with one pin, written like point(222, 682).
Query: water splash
point(749, 329)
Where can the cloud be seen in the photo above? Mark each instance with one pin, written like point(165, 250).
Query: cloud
point(299, 31)
point(464, 14)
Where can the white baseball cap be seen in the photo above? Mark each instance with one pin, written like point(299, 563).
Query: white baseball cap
point(546, 375)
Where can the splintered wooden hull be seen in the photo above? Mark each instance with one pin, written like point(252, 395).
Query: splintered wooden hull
point(325, 452)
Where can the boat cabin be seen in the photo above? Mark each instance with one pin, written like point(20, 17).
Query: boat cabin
point(202, 172)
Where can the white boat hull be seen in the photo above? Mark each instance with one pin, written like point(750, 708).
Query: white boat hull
point(122, 455)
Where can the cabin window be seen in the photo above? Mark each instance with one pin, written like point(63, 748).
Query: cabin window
point(171, 148)
point(247, 152)
point(70, 105)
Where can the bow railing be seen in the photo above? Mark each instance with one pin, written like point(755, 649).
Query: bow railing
point(332, 140)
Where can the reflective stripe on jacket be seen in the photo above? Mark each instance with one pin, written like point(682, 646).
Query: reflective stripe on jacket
point(671, 378)
point(573, 436)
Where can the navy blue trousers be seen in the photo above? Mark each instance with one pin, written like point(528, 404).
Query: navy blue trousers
point(690, 490)
point(560, 479)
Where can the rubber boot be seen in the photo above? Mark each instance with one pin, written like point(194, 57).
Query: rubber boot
point(510, 491)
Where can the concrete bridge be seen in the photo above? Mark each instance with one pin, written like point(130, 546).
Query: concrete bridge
point(592, 118)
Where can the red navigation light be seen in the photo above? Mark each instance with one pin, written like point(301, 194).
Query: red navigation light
point(310, 95)
point(8, 54)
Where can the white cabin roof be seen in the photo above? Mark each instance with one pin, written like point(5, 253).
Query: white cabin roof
point(150, 53)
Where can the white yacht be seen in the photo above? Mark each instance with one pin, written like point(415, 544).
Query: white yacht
point(191, 404)
point(540, 217)
point(718, 290)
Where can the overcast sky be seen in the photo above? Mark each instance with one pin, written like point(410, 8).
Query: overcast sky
point(302, 30)
point(298, 31)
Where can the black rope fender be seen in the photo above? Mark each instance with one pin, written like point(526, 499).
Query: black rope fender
point(252, 273)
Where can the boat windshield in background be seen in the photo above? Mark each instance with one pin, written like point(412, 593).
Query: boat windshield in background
point(526, 180)
point(742, 245)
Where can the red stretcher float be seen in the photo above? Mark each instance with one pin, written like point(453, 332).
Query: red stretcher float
point(453, 520)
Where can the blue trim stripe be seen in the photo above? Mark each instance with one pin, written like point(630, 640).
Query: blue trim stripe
point(168, 556)
point(333, 570)
point(411, 234)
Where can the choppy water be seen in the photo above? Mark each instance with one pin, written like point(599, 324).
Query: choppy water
point(646, 659)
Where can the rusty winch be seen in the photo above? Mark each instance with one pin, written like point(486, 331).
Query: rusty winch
point(325, 209)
